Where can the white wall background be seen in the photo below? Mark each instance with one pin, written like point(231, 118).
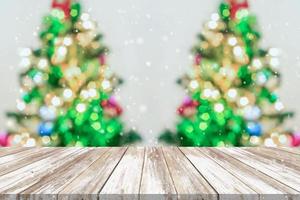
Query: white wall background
point(150, 43)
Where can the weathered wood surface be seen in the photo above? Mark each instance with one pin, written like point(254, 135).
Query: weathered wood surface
point(149, 173)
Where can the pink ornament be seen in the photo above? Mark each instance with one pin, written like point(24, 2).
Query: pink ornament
point(112, 100)
point(295, 140)
point(111, 107)
point(3, 139)
point(187, 100)
point(188, 107)
point(198, 59)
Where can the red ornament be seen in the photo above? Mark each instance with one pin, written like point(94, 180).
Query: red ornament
point(198, 59)
point(63, 5)
point(4, 140)
point(295, 140)
point(188, 108)
point(236, 5)
point(111, 107)
point(102, 59)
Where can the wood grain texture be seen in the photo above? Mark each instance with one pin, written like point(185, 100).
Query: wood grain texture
point(149, 173)
point(280, 157)
point(24, 177)
point(5, 151)
point(125, 181)
point(294, 151)
point(156, 177)
point(187, 180)
point(220, 179)
point(11, 162)
point(264, 185)
point(53, 183)
point(282, 173)
point(88, 184)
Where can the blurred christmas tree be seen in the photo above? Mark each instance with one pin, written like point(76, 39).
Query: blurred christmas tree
point(66, 87)
point(232, 99)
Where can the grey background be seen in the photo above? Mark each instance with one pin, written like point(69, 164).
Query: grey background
point(150, 43)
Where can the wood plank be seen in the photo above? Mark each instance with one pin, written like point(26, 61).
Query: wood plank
point(13, 162)
point(149, 173)
point(266, 186)
point(124, 182)
point(88, 184)
point(19, 155)
point(294, 151)
point(226, 185)
point(5, 151)
point(281, 157)
point(23, 178)
point(283, 174)
point(156, 180)
point(187, 180)
point(54, 182)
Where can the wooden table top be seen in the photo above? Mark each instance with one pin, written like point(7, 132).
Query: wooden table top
point(149, 173)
